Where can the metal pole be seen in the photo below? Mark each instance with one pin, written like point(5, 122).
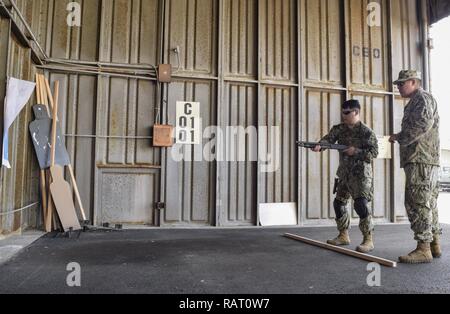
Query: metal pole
point(342, 250)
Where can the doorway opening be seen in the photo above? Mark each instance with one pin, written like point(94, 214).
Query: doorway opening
point(440, 71)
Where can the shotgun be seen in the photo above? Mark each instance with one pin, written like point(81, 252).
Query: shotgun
point(312, 145)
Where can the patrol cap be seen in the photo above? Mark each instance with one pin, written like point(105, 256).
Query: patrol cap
point(406, 75)
point(351, 104)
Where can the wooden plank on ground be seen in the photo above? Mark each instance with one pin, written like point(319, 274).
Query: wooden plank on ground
point(60, 189)
point(366, 257)
point(43, 180)
point(62, 197)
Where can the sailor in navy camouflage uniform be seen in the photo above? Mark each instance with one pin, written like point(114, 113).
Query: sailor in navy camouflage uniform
point(420, 158)
point(355, 174)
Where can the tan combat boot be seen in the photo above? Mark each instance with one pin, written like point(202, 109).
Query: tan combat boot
point(342, 239)
point(419, 256)
point(436, 247)
point(367, 244)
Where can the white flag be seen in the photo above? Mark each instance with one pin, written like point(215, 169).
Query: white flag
point(18, 92)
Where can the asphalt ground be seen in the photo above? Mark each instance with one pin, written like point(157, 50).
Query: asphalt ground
point(218, 261)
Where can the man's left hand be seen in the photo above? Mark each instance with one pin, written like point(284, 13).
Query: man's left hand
point(351, 151)
point(393, 138)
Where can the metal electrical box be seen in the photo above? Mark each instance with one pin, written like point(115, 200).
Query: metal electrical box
point(163, 135)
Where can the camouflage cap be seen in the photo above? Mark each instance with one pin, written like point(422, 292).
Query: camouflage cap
point(407, 75)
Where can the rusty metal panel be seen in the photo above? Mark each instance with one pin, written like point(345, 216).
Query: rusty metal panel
point(37, 17)
point(14, 176)
point(128, 35)
point(20, 68)
point(117, 120)
point(32, 216)
point(146, 116)
point(279, 108)
point(322, 110)
point(190, 185)
point(5, 27)
point(406, 38)
point(278, 40)
point(367, 51)
point(322, 31)
point(77, 112)
point(21, 6)
point(36, 13)
point(126, 108)
point(127, 196)
point(60, 31)
point(375, 114)
point(19, 184)
point(240, 43)
point(149, 33)
point(84, 43)
point(25, 8)
point(192, 26)
point(120, 24)
point(73, 42)
point(239, 179)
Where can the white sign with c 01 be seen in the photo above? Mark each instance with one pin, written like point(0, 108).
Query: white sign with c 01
point(188, 126)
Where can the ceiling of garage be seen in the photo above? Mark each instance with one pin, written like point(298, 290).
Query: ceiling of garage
point(439, 9)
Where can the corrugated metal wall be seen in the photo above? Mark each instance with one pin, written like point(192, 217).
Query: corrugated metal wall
point(357, 65)
point(119, 177)
point(127, 181)
point(19, 185)
point(288, 63)
point(190, 186)
point(307, 57)
point(237, 182)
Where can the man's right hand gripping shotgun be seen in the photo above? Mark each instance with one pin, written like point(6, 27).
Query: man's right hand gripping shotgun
point(312, 145)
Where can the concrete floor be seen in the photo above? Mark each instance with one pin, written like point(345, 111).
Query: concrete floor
point(228, 261)
point(12, 245)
